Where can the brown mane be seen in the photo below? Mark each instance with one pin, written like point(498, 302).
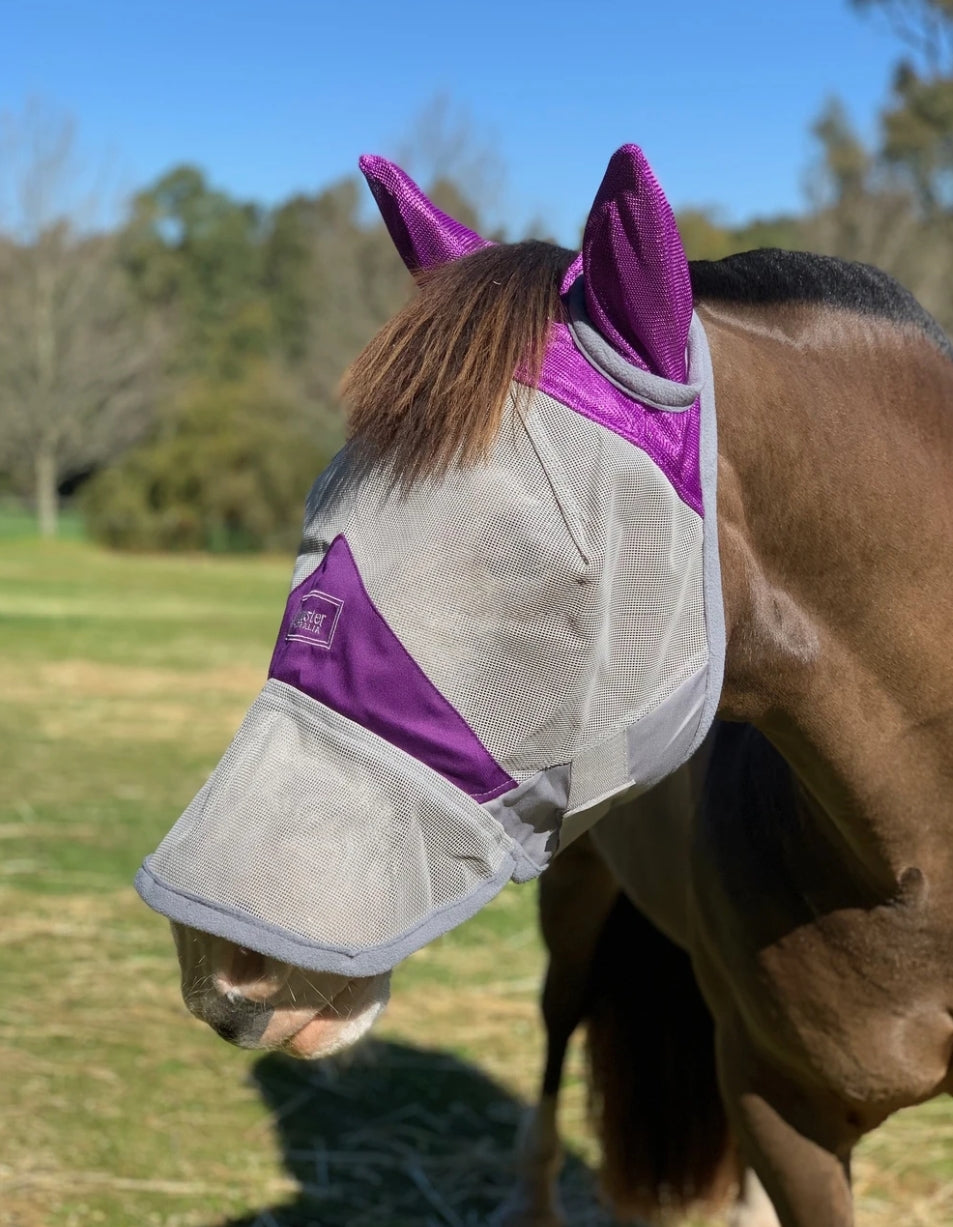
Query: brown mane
point(430, 388)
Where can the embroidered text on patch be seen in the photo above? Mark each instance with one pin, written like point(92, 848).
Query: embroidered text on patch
point(316, 620)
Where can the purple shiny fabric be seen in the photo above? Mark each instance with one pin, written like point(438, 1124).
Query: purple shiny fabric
point(638, 292)
point(671, 439)
point(571, 274)
point(423, 234)
point(336, 646)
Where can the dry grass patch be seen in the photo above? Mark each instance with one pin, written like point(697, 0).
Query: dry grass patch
point(122, 680)
point(93, 700)
point(98, 679)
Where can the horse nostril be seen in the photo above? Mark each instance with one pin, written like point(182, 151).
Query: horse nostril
point(247, 966)
point(237, 1020)
point(227, 1028)
point(243, 974)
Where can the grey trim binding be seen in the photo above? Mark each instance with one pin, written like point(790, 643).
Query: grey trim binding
point(700, 369)
point(643, 386)
point(246, 930)
point(659, 393)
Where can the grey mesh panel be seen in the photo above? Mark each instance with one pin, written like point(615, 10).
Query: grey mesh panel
point(603, 769)
point(317, 826)
point(549, 606)
point(634, 760)
point(557, 598)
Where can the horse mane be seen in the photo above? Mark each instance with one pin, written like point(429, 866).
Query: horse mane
point(770, 275)
point(430, 388)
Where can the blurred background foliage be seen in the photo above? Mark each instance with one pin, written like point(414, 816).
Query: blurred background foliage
point(175, 378)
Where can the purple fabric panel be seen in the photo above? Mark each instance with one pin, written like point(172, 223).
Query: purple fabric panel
point(335, 645)
point(571, 273)
point(670, 439)
point(423, 234)
point(638, 292)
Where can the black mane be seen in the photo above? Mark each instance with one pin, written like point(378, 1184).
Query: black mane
point(770, 275)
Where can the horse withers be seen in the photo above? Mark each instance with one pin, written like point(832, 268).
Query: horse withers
point(528, 639)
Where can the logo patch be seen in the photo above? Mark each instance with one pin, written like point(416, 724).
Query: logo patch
point(316, 620)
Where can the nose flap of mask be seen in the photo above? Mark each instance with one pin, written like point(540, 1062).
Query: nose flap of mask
point(321, 844)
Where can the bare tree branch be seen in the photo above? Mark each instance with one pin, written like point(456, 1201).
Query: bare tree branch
point(77, 362)
point(926, 26)
point(444, 150)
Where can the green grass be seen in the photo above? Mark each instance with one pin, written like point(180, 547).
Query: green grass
point(121, 681)
point(17, 524)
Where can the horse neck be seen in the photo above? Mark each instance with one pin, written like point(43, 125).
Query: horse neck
point(836, 532)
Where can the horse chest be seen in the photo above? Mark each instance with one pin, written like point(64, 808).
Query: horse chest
point(851, 990)
point(857, 1000)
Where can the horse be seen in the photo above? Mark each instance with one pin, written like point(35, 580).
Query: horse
point(762, 940)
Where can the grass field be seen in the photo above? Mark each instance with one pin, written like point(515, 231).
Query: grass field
point(121, 680)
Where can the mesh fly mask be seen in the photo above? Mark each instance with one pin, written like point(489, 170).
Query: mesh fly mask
point(469, 673)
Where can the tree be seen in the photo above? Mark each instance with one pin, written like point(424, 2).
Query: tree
point(260, 310)
point(76, 362)
point(706, 238)
point(850, 202)
point(918, 137)
point(891, 203)
point(333, 282)
point(194, 256)
point(227, 470)
point(461, 172)
point(926, 26)
point(918, 123)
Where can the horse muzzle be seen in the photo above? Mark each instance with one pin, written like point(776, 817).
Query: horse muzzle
point(257, 1002)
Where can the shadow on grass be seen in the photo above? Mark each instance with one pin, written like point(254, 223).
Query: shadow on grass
point(396, 1136)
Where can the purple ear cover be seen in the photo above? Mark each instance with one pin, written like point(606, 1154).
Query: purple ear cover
point(638, 293)
point(423, 234)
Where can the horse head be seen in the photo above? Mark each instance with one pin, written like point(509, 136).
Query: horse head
point(505, 616)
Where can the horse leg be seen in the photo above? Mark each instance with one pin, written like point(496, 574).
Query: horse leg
point(575, 896)
point(798, 1145)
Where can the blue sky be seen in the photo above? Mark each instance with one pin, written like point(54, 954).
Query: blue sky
point(282, 97)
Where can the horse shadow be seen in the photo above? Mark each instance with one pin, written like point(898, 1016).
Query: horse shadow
point(396, 1136)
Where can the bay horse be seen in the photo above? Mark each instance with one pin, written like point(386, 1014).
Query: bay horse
point(763, 943)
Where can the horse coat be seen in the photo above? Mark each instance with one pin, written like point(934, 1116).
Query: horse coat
point(469, 672)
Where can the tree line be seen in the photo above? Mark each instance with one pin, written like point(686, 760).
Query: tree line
point(178, 370)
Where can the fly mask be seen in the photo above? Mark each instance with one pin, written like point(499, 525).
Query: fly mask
point(470, 671)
